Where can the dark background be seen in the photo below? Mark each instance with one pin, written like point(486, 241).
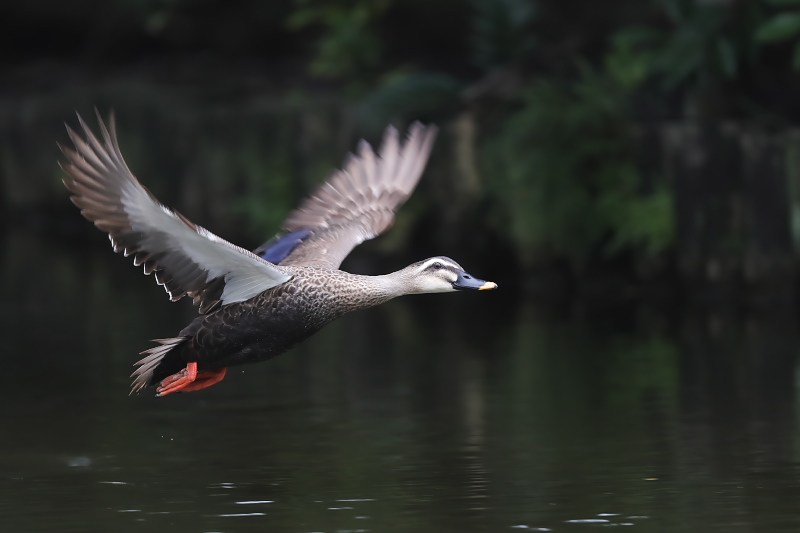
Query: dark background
point(586, 146)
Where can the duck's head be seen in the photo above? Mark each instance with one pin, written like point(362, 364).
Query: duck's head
point(442, 274)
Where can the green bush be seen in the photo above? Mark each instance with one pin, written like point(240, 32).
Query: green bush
point(563, 167)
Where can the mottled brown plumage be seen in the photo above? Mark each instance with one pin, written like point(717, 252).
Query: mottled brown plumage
point(255, 306)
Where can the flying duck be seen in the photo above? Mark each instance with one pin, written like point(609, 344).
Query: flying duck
point(256, 305)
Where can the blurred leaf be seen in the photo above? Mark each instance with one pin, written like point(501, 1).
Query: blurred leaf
point(349, 46)
point(630, 59)
point(679, 64)
point(780, 28)
point(302, 18)
point(648, 222)
point(637, 36)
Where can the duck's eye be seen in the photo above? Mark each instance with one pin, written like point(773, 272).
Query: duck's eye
point(437, 265)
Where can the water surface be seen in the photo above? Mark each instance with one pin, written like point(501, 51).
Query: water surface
point(462, 412)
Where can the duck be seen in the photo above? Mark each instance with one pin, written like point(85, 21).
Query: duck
point(255, 305)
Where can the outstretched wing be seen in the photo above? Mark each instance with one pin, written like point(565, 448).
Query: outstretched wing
point(356, 204)
point(187, 259)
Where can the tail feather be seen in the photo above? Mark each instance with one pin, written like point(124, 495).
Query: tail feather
point(144, 375)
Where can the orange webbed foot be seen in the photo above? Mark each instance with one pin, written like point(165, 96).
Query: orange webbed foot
point(205, 379)
point(189, 379)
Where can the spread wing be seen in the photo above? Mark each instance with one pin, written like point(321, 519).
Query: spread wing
point(187, 259)
point(356, 204)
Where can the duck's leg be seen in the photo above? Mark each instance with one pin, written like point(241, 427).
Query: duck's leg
point(189, 379)
point(205, 379)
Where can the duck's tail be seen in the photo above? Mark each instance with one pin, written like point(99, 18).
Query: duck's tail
point(161, 361)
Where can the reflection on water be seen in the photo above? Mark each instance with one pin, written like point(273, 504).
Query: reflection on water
point(465, 412)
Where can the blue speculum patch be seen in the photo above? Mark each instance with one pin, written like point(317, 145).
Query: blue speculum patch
point(277, 249)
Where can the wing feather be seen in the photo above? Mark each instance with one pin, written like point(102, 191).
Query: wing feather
point(187, 259)
point(358, 203)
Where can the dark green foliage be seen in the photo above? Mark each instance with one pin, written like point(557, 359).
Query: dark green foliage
point(415, 94)
point(563, 169)
point(704, 41)
point(707, 42)
point(499, 36)
point(348, 46)
point(560, 162)
point(154, 15)
point(500, 32)
point(550, 146)
point(782, 27)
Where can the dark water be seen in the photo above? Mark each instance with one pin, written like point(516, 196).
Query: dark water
point(462, 412)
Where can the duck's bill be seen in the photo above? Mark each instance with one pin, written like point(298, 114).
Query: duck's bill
point(465, 281)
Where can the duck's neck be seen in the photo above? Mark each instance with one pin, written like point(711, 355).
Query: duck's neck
point(350, 292)
point(359, 291)
point(388, 286)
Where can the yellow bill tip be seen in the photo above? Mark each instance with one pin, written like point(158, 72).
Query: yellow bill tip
point(488, 286)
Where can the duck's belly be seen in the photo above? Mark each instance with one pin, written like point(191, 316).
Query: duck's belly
point(245, 333)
